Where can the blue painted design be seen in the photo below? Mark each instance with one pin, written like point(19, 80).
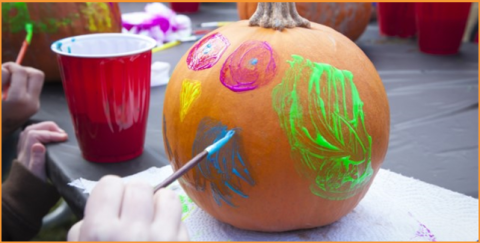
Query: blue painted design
point(218, 197)
point(207, 49)
point(69, 50)
point(225, 168)
point(73, 39)
point(236, 190)
point(254, 61)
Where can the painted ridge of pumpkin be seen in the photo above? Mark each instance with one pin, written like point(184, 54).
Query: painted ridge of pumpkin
point(206, 53)
point(321, 112)
point(251, 65)
point(191, 90)
point(223, 169)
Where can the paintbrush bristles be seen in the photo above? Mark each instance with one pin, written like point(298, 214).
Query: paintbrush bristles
point(219, 144)
point(29, 30)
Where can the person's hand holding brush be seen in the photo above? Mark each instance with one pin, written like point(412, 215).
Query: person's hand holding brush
point(130, 212)
point(21, 88)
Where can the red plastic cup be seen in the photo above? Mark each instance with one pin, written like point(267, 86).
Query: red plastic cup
point(441, 26)
point(106, 78)
point(396, 19)
point(185, 7)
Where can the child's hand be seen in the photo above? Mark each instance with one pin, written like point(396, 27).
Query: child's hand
point(131, 212)
point(22, 86)
point(31, 152)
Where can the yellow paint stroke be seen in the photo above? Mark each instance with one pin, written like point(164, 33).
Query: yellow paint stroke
point(191, 90)
point(98, 15)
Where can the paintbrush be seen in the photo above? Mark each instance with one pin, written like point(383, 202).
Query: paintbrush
point(197, 159)
point(26, 42)
point(175, 43)
point(21, 54)
point(215, 24)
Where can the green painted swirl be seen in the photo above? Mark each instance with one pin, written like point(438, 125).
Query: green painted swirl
point(321, 112)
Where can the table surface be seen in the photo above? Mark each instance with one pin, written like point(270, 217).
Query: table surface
point(433, 102)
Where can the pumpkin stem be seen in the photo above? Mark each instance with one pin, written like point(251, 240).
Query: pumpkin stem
point(278, 16)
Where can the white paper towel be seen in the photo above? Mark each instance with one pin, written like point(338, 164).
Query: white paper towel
point(396, 208)
point(160, 73)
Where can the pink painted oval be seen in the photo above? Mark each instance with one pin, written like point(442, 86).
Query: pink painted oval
point(207, 52)
point(250, 66)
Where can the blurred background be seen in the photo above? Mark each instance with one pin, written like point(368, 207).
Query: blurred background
point(425, 53)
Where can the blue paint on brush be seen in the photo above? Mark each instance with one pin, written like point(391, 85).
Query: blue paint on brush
point(220, 143)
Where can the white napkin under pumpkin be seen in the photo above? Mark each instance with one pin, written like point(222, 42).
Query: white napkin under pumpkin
point(396, 208)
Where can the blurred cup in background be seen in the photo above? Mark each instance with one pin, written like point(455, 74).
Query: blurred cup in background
point(106, 79)
point(185, 7)
point(441, 26)
point(396, 19)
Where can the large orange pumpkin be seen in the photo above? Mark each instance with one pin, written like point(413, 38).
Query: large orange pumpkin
point(350, 19)
point(310, 115)
point(51, 22)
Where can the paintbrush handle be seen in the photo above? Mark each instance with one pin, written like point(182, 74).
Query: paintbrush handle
point(184, 169)
point(22, 52)
point(215, 24)
point(20, 55)
point(166, 46)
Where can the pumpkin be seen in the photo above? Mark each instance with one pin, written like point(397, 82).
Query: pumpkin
point(310, 115)
point(51, 22)
point(350, 19)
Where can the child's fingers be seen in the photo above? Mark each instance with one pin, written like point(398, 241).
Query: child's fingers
point(74, 232)
point(168, 215)
point(102, 210)
point(5, 78)
point(43, 136)
point(183, 233)
point(18, 81)
point(37, 161)
point(35, 81)
point(48, 126)
point(105, 201)
point(137, 205)
point(39, 136)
